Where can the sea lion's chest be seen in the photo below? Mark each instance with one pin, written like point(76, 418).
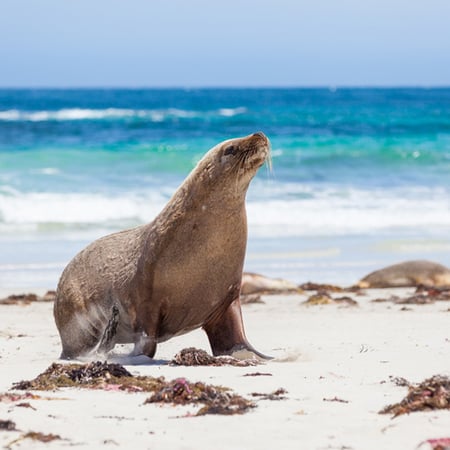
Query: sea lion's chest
point(198, 274)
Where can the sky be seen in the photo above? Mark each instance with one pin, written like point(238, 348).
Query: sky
point(209, 43)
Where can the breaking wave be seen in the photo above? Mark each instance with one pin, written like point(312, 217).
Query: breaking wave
point(155, 115)
point(327, 211)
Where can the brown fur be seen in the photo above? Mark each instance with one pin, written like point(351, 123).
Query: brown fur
point(408, 273)
point(180, 272)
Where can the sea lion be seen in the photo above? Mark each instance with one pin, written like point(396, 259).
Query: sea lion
point(254, 283)
point(408, 273)
point(180, 272)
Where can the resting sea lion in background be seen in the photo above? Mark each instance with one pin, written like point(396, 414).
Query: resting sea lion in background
point(253, 283)
point(409, 273)
point(180, 272)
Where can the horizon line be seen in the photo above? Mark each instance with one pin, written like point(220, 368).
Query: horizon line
point(229, 87)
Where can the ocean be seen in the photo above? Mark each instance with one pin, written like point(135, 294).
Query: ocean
point(360, 178)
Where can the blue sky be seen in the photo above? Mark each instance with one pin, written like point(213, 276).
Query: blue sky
point(190, 43)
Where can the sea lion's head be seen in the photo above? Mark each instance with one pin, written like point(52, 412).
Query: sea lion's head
point(235, 162)
point(244, 154)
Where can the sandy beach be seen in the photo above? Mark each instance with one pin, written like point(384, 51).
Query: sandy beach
point(201, 140)
point(336, 364)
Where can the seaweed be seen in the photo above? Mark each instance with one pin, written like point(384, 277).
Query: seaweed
point(382, 300)
point(346, 300)
point(7, 425)
point(9, 397)
point(431, 394)
point(400, 381)
point(195, 357)
point(423, 295)
point(437, 444)
point(437, 293)
point(275, 395)
point(101, 375)
point(94, 374)
point(335, 399)
point(324, 298)
point(258, 374)
point(310, 286)
point(41, 437)
point(418, 299)
point(216, 399)
point(35, 436)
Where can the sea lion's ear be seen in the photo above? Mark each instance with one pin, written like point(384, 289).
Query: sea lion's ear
point(230, 150)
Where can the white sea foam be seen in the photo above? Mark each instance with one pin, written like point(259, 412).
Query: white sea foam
point(230, 112)
point(301, 218)
point(304, 210)
point(47, 171)
point(71, 114)
point(34, 210)
point(65, 114)
point(298, 212)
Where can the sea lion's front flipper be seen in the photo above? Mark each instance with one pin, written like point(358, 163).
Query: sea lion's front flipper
point(144, 345)
point(227, 337)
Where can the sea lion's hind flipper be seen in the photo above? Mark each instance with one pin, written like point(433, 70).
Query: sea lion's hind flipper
point(107, 341)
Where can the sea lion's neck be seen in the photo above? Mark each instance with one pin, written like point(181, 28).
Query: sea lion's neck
point(199, 192)
point(201, 200)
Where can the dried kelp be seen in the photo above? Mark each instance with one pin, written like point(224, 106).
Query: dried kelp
point(309, 286)
point(391, 299)
point(438, 293)
point(320, 298)
point(431, 394)
point(7, 425)
point(324, 298)
point(423, 295)
point(41, 437)
point(437, 444)
point(25, 405)
point(216, 399)
point(95, 374)
point(258, 374)
point(275, 395)
point(26, 299)
point(196, 357)
point(417, 299)
point(35, 436)
point(9, 397)
point(335, 399)
point(346, 300)
point(400, 381)
point(102, 375)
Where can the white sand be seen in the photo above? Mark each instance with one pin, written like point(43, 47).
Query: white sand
point(323, 352)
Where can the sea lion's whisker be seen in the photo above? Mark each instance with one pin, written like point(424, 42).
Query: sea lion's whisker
point(269, 164)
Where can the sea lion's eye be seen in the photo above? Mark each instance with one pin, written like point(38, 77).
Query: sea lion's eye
point(230, 150)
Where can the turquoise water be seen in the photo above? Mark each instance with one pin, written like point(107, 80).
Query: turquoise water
point(360, 176)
